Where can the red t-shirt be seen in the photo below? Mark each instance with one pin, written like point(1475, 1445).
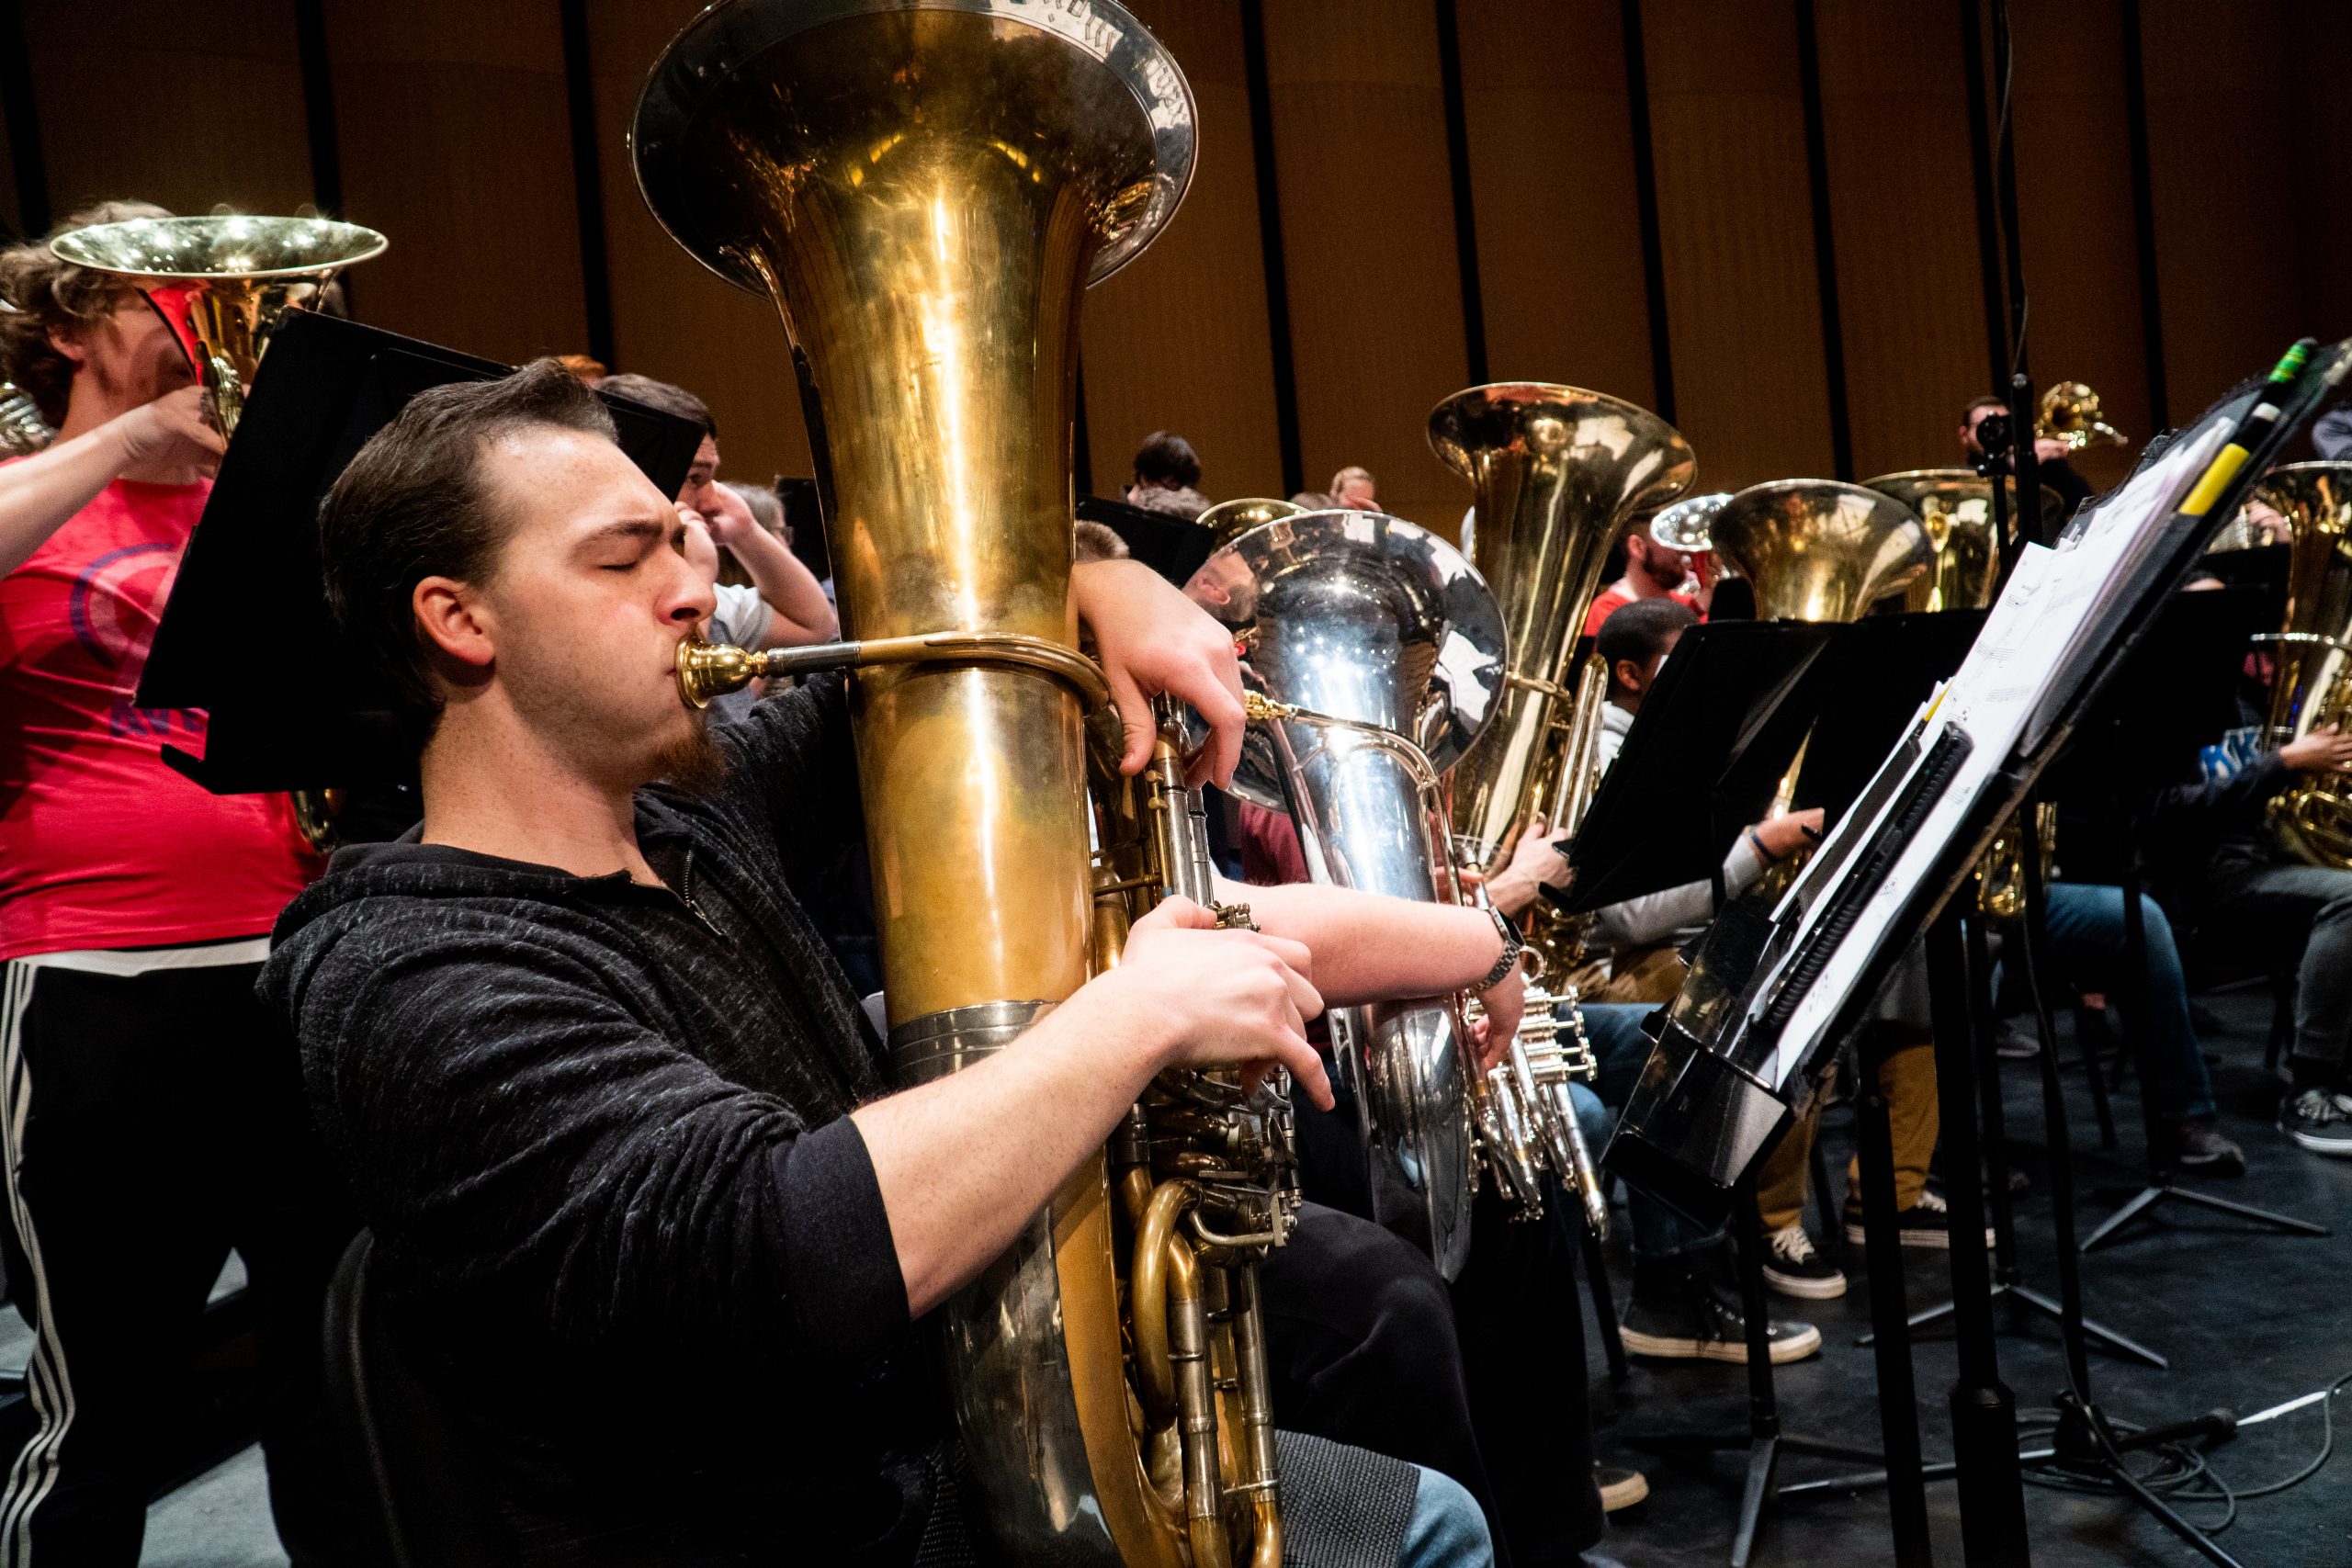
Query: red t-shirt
point(1615, 598)
point(102, 845)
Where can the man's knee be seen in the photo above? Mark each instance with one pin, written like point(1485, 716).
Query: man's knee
point(1446, 1529)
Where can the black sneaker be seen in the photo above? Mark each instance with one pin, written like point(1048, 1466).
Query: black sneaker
point(2203, 1150)
point(1695, 1320)
point(1621, 1486)
point(1927, 1222)
point(2320, 1119)
point(1792, 1267)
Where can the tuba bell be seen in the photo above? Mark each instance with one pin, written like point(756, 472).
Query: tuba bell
point(1956, 506)
point(2313, 820)
point(923, 188)
point(23, 431)
point(1375, 654)
point(223, 284)
point(1228, 520)
point(1820, 551)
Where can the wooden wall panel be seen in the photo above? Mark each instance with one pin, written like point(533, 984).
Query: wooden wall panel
point(2221, 157)
point(2074, 164)
point(1367, 205)
point(673, 318)
point(1179, 340)
point(456, 144)
point(2316, 231)
point(1895, 117)
point(1735, 215)
point(188, 103)
point(1552, 177)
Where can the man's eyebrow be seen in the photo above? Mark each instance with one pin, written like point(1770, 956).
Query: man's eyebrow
point(629, 528)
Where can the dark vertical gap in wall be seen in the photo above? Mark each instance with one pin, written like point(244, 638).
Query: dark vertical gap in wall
point(23, 122)
point(1270, 242)
point(1988, 223)
point(1637, 101)
point(317, 107)
point(1457, 164)
point(1082, 457)
point(588, 183)
point(1824, 245)
point(2144, 218)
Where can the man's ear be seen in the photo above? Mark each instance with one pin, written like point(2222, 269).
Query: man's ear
point(1626, 674)
point(70, 344)
point(455, 620)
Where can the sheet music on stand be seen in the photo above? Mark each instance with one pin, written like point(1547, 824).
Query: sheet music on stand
point(1735, 1045)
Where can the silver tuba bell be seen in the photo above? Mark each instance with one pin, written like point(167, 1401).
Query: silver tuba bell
point(1375, 654)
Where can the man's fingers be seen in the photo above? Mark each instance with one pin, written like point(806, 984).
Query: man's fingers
point(1175, 913)
point(1307, 1070)
point(1134, 713)
point(1295, 954)
point(1221, 710)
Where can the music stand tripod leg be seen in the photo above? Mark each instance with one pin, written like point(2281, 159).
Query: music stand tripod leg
point(1907, 1494)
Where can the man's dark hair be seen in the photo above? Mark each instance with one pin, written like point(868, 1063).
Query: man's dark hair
point(413, 505)
point(1169, 461)
point(664, 396)
point(1640, 631)
point(1986, 401)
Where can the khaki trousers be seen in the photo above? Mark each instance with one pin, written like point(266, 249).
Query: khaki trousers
point(1908, 1078)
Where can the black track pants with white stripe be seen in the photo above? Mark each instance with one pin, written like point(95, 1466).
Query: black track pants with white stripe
point(152, 1123)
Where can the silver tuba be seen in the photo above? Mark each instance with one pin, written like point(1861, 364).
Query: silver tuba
point(1375, 654)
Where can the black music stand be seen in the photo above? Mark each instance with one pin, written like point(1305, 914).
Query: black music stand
point(1172, 546)
point(2176, 693)
point(291, 706)
point(1714, 739)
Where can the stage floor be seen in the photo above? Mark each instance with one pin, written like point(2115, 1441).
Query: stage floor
point(2248, 1318)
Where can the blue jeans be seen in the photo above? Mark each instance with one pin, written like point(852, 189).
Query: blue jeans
point(1446, 1529)
point(2087, 945)
point(1615, 1031)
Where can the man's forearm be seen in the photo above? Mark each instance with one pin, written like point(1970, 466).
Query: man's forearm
point(964, 1162)
point(791, 589)
point(1371, 947)
point(39, 494)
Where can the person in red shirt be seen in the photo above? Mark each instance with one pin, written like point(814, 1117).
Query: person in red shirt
point(1652, 571)
point(150, 1107)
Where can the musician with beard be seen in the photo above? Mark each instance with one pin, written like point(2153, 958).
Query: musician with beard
point(651, 1224)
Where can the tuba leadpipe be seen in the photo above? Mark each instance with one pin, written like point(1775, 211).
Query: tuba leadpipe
point(923, 188)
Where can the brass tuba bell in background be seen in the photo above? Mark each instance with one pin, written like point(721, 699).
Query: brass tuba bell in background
point(924, 189)
point(1820, 551)
point(2069, 413)
point(223, 284)
point(1956, 506)
point(2313, 819)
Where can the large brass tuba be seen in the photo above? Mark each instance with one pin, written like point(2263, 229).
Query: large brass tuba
point(1558, 471)
point(2313, 819)
point(924, 189)
point(1375, 658)
point(223, 284)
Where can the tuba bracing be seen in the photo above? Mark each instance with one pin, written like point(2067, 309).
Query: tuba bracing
point(1557, 472)
point(924, 189)
point(1374, 656)
point(223, 284)
point(2312, 818)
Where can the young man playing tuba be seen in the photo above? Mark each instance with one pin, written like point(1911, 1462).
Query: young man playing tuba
point(657, 1231)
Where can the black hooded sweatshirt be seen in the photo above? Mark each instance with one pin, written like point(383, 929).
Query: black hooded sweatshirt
point(600, 1131)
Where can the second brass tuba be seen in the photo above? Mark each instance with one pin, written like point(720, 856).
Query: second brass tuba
point(924, 189)
point(1375, 654)
point(2313, 819)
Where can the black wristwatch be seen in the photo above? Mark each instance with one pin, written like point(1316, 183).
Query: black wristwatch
point(1512, 947)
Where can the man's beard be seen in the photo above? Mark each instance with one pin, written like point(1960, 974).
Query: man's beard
point(694, 763)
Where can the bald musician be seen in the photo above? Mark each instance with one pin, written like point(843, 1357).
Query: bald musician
point(657, 1229)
